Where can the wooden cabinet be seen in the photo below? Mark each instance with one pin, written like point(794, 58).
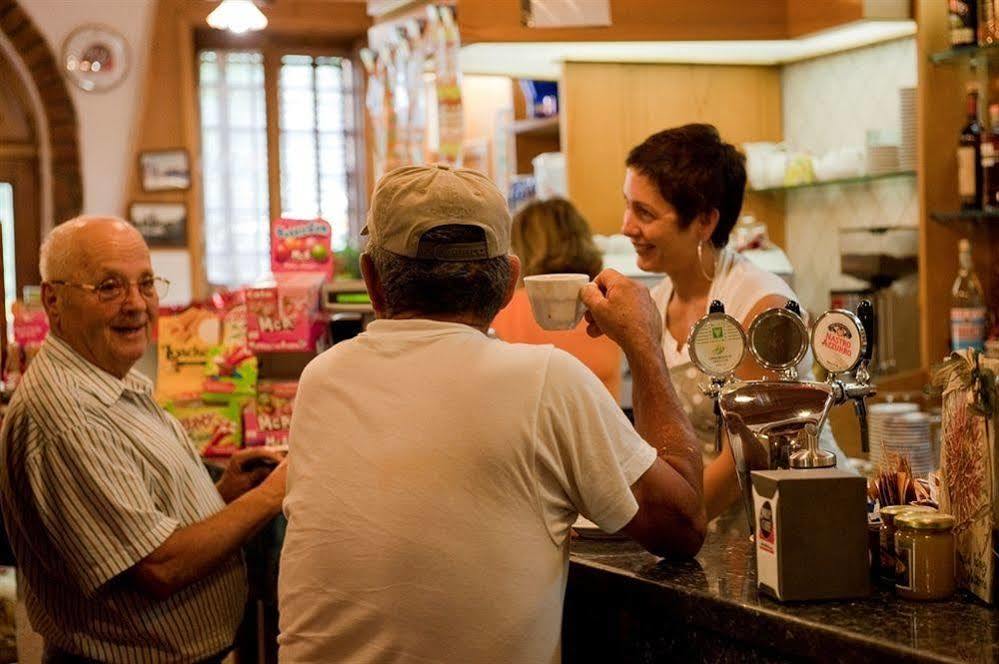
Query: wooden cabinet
point(482, 21)
point(941, 111)
point(531, 137)
point(608, 108)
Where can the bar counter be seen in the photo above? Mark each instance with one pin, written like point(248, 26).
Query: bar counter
point(626, 605)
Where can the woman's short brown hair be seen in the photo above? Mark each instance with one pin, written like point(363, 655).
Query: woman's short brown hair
point(695, 172)
point(552, 236)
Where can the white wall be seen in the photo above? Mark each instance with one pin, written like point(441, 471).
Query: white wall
point(106, 120)
point(829, 103)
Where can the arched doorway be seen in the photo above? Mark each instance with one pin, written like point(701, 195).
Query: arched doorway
point(36, 111)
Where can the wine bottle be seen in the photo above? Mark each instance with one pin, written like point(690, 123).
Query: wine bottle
point(962, 17)
point(969, 157)
point(967, 304)
point(990, 161)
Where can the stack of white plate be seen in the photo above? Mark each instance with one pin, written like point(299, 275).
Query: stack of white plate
point(907, 111)
point(882, 159)
point(899, 428)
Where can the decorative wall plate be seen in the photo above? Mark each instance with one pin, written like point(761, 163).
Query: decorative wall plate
point(95, 58)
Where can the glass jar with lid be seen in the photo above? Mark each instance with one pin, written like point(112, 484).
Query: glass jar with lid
point(886, 537)
point(924, 548)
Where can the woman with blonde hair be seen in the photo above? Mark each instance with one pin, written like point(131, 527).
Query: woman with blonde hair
point(549, 237)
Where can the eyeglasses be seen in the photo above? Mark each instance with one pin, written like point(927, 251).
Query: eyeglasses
point(113, 289)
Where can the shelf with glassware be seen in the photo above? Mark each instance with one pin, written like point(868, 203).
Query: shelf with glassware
point(859, 179)
point(972, 31)
point(534, 127)
point(988, 217)
point(987, 53)
point(531, 137)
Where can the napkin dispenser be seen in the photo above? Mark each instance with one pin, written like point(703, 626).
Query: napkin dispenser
point(811, 534)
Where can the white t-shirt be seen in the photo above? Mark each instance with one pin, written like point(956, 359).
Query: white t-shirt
point(434, 476)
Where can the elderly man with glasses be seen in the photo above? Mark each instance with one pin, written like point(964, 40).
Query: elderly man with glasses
point(126, 551)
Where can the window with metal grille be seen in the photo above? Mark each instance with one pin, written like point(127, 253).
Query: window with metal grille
point(234, 166)
point(317, 138)
point(9, 257)
point(316, 160)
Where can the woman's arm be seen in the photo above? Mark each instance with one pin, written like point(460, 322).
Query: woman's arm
point(721, 486)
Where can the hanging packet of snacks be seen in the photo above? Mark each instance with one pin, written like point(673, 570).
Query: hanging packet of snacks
point(398, 79)
point(968, 469)
point(450, 121)
point(386, 66)
point(375, 102)
point(418, 45)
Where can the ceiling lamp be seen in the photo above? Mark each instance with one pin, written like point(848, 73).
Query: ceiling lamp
point(237, 16)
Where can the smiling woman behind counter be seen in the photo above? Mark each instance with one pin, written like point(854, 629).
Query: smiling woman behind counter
point(683, 191)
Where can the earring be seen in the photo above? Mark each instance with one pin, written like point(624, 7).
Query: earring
point(700, 263)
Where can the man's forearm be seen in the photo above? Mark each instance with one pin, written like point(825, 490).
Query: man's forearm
point(193, 552)
point(659, 417)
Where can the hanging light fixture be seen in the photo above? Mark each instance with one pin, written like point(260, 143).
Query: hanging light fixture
point(237, 16)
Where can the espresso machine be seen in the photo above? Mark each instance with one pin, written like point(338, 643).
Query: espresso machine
point(880, 256)
point(775, 423)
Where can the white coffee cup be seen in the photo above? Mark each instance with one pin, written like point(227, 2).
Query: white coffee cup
point(555, 300)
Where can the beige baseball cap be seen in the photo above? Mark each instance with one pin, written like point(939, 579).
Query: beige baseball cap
point(412, 200)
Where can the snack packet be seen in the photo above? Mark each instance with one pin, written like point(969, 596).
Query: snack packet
point(285, 316)
point(301, 245)
point(184, 343)
point(267, 419)
point(215, 430)
point(231, 367)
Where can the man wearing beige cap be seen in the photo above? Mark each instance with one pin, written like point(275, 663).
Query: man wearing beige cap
point(435, 472)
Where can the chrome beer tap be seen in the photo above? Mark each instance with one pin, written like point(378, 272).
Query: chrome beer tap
point(719, 379)
point(775, 423)
point(860, 388)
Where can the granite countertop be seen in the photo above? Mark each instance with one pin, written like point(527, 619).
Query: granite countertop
point(717, 592)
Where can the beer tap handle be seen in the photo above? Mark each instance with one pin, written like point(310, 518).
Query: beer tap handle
point(718, 428)
point(716, 307)
point(865, 312)
point(794, 307)
point(860, 408)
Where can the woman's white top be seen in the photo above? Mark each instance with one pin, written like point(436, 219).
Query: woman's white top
point(739, 285)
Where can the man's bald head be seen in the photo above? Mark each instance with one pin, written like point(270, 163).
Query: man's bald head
point(82, 261)
point(77, 246)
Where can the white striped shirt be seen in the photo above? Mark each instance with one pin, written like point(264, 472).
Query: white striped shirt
point(94, 477)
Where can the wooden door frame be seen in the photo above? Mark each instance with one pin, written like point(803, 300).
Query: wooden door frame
point(23, 174)
point(64, 168)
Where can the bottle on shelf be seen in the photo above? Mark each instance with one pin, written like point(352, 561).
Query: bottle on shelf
point(988, 22)
point(968, 323)
point(969, 156)
point(990, 161)
point(963, 20)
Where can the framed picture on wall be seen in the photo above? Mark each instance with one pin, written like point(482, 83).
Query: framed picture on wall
point(161, 224)
point(165, 170)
